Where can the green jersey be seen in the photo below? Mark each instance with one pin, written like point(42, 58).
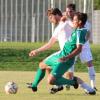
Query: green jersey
point(78, 36)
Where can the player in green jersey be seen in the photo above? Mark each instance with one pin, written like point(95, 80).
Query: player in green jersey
point(64, 58)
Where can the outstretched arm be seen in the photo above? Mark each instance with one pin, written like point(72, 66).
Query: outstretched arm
point(74, 53)
point(43, 48)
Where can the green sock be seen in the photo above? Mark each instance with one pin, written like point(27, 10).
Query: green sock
point(38, 77)
point(63, 81)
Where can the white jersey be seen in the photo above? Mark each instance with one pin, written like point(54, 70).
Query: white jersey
point(88, 27)
point(85, 54)
point(62, 32)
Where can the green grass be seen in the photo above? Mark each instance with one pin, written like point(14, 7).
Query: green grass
point(14, 56)
point(22, 45)
point(21, 78)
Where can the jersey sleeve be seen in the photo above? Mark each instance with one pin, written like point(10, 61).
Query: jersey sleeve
point(57, 30)
point(55, 33)
point(81, 37)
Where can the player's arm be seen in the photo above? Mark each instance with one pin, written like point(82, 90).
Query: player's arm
point(44, 47)
point(72, 54)
point(64, 17)
point(81, 39)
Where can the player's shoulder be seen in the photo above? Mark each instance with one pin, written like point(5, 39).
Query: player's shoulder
point(82, 30)
point(88, 25)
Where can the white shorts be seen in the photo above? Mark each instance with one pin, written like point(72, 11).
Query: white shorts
point(85, 55)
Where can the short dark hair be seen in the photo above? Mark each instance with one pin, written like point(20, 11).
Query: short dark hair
point(72, 6)
point(82, 17)
point(54, 11)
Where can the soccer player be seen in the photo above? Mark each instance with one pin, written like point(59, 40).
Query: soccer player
point(85, 55)
point(34, 52)
point(61, 34)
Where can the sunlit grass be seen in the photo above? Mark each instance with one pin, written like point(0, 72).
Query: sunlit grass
point(21, 78)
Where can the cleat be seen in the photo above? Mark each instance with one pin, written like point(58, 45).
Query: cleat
point(56, 89)
point(95, 89)
point(67, 87)
point(34, 89)
point(76, 85)
point(29, 85)
point(91, 93)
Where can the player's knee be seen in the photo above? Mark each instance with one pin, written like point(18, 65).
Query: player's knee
point(89, 63)
point(69, 75)
point(42, 65)
point(50, 80)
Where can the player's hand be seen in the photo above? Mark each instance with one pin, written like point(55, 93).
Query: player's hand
point(64, 18)
point(33, 53)
point(63, 59)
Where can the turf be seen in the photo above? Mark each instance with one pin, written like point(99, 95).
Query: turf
point(21, 78)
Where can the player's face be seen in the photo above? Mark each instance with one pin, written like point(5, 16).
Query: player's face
point(50, 18)
point(70, 12)
point(76, 22)
point(53, 19)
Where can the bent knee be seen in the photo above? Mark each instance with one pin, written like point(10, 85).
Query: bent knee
point(51, 79)
point(89, 63)
point(42, 65)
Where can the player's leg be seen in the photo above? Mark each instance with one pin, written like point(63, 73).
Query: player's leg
point(58, 69)
point(69, 75)
point(39, 76)
point(86, 56)
point(41, 72)
point(86, 87)
point(82, 84)
point(57, 72)
point(91, 72)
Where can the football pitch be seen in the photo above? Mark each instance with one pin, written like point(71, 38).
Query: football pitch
point(21, 78)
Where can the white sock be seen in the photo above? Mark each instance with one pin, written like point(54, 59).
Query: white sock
point(91, 72)
point(86, 87)
point(56, 86)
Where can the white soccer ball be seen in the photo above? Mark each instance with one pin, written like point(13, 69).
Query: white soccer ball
point(11, 88)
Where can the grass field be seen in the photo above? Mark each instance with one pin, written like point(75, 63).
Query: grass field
point(22, 77)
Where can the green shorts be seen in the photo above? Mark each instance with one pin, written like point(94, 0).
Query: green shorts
point(58, 68)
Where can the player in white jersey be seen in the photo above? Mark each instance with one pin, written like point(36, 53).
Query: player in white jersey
point(85, 56)
point(60, 34)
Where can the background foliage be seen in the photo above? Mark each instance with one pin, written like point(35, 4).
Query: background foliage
point(96, 4)
point(14, 56)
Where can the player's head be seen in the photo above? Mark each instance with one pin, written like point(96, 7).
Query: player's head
point(54, 15)
point(70, 10)
point(79, 20)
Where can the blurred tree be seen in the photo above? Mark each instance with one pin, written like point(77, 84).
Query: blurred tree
point(96, 4)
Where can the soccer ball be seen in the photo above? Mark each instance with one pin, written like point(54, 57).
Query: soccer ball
point(11, 88)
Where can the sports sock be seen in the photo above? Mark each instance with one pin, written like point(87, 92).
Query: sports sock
point(86, 87)
point(63, 81)
point(91, 72)
point(38, 77)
